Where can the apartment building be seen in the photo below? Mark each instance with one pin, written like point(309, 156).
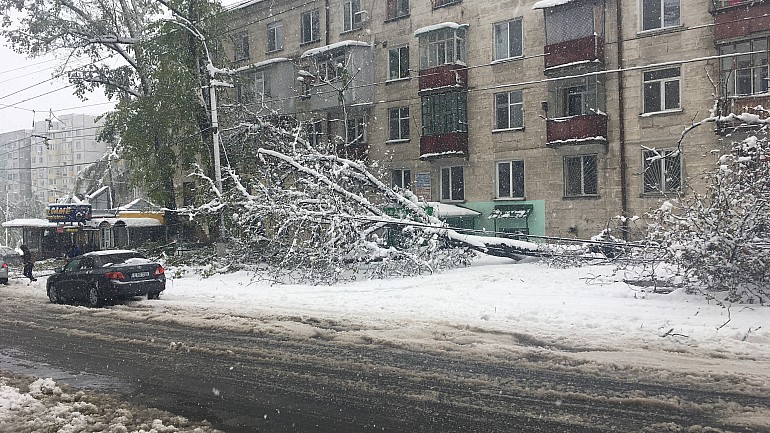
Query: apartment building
point(548, 117)
point(14, 168)
point(60, 148)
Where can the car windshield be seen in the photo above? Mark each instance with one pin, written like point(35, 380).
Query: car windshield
point(121, 258)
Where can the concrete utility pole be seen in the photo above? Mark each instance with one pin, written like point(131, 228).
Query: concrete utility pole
point(190, 27)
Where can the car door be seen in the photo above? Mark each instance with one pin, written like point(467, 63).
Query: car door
point(83, 278)
point(65, 280)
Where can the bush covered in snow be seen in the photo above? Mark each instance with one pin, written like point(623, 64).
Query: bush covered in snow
point(720, 240)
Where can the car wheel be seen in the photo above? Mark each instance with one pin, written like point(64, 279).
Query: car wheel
point(153, 295)
point(53, 295)
point(93, 296)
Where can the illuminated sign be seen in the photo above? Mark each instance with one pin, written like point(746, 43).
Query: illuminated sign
point(69, 213)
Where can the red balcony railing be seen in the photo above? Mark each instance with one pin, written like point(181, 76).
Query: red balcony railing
point(742, 105)
point(585, 129)
point(588, 49)
point(739, 22)
point(444, 76)
point(442, 145)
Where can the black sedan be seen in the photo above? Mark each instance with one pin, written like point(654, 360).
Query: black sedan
point(101, 276)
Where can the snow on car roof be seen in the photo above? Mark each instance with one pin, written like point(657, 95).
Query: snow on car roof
point(110, 252)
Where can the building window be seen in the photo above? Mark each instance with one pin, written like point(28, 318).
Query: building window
point(744, 73)
point(356, 130)
point(581, 176)
point(351, 15)
point(662, 171)
point(509, 110)
point(311, 26)
point(315, 132)
point(330, 70)
point(661, 90)
point(275, 36)
point(510, 179)
point(398, 63)
point(397, 9)
point(444, 113)
point(452, 184)
point(660, 14)
point(241, 46)
point(254, 86)
point(442, 3)
point(401, 178)
point(575, 97)
point(443, 46)
point(399, 123)
point(574, 20)
point(508, 39)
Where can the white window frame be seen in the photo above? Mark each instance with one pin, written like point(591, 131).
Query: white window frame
point(400, 54)
point(356, 130)
point(315, 133)
point(447, 191)
point(401, 120)
point(275, 36)
point(440, 47)
point(663, 85)
point(656, 164)
point(748, 69)
point(583, 176)
point(241, 46)
point(314, 17)
point(510, 108)
point(351, 15)
point(401, 178)
point(401, 8)
point(507, 52)
point(661, 19)
point(513, 165)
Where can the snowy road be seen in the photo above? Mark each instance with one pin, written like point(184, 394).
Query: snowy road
point(274, 372)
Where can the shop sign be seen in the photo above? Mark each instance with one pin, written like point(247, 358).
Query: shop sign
point(69, 213)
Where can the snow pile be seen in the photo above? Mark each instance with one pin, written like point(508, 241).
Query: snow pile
point(42, 406)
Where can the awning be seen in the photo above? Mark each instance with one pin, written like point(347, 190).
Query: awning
point(30, 222)
point(128, 222)
point(545, 4)
point(443, 210)
point(520, 211)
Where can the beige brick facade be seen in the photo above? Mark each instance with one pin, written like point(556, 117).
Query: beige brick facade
point(622, 55)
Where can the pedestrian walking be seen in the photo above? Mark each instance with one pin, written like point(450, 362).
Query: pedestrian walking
point(29, 262)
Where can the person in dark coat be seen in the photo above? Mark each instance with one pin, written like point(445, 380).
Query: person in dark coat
point(74, 252)
point(29, 262)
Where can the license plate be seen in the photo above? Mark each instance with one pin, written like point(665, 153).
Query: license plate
point(140, 274)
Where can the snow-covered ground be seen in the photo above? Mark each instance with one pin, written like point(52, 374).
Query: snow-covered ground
point(493, 307)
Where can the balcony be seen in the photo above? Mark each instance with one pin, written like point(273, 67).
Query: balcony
point(443, 145)
point(585, 129)
point(732, 109)
point(739, 19)
point(577, 51)
point(440, 77)
point(724, 4)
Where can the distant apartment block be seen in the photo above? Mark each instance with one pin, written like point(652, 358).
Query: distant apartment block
point(60, 149)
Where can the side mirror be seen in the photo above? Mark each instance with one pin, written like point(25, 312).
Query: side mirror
point(58, 270)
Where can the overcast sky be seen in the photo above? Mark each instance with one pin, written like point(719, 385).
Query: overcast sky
point(28, 92)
